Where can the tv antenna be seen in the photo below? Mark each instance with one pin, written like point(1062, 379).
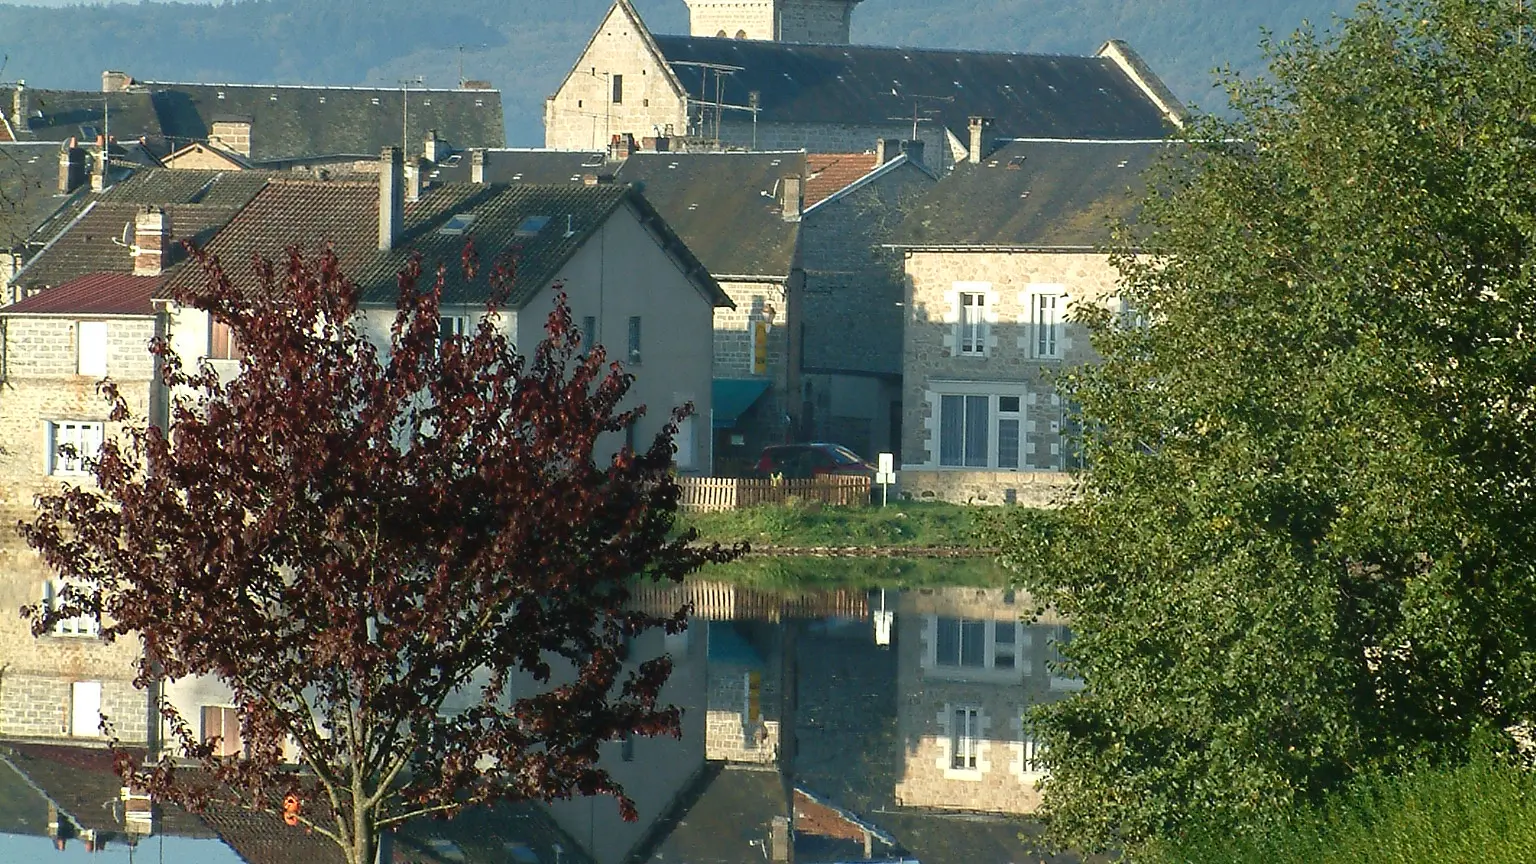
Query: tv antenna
point(919, 113)
point(405, 113)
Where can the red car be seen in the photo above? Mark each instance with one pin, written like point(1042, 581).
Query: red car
point(804, 461)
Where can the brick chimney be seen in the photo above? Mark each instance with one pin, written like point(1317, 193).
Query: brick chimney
point(21, 109)
point(477, 166)
point(979, 127)
point(435, 148)
point(391, 205)
point(151, 241)
point(113, 81)
point(621, 147)
point(792, 196)
point(71, 167)
point(101, 166)
point(232, 134)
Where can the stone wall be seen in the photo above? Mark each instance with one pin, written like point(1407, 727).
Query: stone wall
point(730, 735)
point(40, 384)
point(734, 346)
point(817, 21)
point(582, 115)
point(735, 19)
point(932, 367)
point(1025, 488)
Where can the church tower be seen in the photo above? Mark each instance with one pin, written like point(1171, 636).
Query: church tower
point(823, 22)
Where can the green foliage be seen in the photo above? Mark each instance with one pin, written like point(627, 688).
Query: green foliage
point(1304, 549)
point(804, 525)
point(525, 48)
point(1481, 812)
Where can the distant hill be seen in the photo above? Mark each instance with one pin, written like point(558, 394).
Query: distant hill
point(524, 47)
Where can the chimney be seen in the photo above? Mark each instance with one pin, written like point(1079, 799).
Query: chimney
point(885, 150)
point(477, 166)
point(914, 151)
point(391, 207)
point(232, 134)
point(151, 241)
point(792, 196)
point(415, 178)
point(978, 138)
point(659, 144)
point(115, 82)
point(21, 110)
point(435, 148)
point(71, 167)
point(781, 843)
point(621, 147)
point(101, 166)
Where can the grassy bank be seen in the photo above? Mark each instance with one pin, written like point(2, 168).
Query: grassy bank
point(792, 573)
point(1484, 812)
point(801, 525)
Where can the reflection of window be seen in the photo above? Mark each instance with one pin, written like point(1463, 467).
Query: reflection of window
point(964, 738)
point(1034, 757)
point(627, 749)
point(70, 443)
point(961, 643)
point(223, 723)
point(223, 344)
point(1061, 636)
point(84, 624)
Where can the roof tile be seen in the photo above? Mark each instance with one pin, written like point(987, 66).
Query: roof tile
point(826, 173)
point(96, 294)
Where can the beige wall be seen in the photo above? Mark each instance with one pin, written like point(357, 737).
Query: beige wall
point(40, 384)
point(581, 115)
point(930, 691)
point(819, 21)
point(205, 158)
point(932, 367)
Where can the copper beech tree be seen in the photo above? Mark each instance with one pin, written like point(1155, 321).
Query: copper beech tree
point(348, 536)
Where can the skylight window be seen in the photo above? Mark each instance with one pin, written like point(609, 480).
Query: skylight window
point(531, 226)
point(457, 224)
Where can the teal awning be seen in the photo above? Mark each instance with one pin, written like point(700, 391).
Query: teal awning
point(733, 396)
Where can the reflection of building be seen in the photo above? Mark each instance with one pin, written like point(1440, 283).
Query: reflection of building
point(968, 671)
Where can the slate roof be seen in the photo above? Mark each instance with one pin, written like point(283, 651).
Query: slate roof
point(1027, 95)
point(345, 215)
point(530, 166)
point(1034, 194)
point(826, 173)
point(725, 206)
point(58, 115)
point(295, 122)
point(96, 294)
point(29, 179)
point(90, 243)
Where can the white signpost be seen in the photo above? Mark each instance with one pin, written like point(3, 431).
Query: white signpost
point(885, 476)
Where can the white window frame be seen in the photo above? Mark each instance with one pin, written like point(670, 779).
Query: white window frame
point(995, 393)
point(935, 667)
point(79, 627)
point(1047, 336)
point(968, 746)
point(1061, 633)
point(458, 325)
point(87, 437)
point(203, 736)
point(971, 330)
point(91, 348)
point(1028, 754)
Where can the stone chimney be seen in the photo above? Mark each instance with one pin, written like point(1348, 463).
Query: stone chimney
point(659, 144)
point(71, 167)
point(151, 241)
point(415, 178)
point(886, 150)
point(781, 841)
point(21, 109)
point(621, 147)
point(979, 126)
point(914, 151)
point(101, 166)
point(232, 134)
point(477, 166)
point(113, 81)
point(434, 148)
point(792, 196)
point(391, 205)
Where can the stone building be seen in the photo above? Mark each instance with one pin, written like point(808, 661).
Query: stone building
point(995, 257)
point(825, 22)
point(740, 213)
point(969, 668)
point(782, 92)
point(852, 322)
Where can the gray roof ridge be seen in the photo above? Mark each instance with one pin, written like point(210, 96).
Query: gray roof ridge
point(349, 87)
point(909, 49)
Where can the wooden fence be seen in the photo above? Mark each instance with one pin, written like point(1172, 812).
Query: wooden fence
point(719, 601)
point(731, 493)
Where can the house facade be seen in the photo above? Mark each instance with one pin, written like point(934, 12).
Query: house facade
point(804, 88)
point(970, 667)
point(989, 325)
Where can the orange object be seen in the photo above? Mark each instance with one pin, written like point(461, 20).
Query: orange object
point(291, 809)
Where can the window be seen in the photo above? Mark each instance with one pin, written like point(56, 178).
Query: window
point(964, 738)
point(618, 89)
point(449, 326)
point(85, 709)
point(223, 344)
point(222, 722)
point(967, 644)
point(588, 332)
point(973, 324)
point(964, 422)
point(627, 750)
point(634, 338)
point(1009, 419)
point(69, 444)
point(1046, 306)
point(84, 624)
point(629, 436)
point(457, 224)
point(1060, 635)
point(91, 353)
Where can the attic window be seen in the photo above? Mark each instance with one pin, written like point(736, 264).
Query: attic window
point(272, 97)
point(1122, 164)
point(221, 94)
point(531, 226)
point(457, 224)
point(1016, 162)
point(479, 103)
point(517, 176)
point(322, 100)
point(426, 101)
point(375, 100)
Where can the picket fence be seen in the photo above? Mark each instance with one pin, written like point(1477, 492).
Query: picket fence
point(714, 494)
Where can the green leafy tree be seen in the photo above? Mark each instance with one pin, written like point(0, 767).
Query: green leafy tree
point(1303, 551)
